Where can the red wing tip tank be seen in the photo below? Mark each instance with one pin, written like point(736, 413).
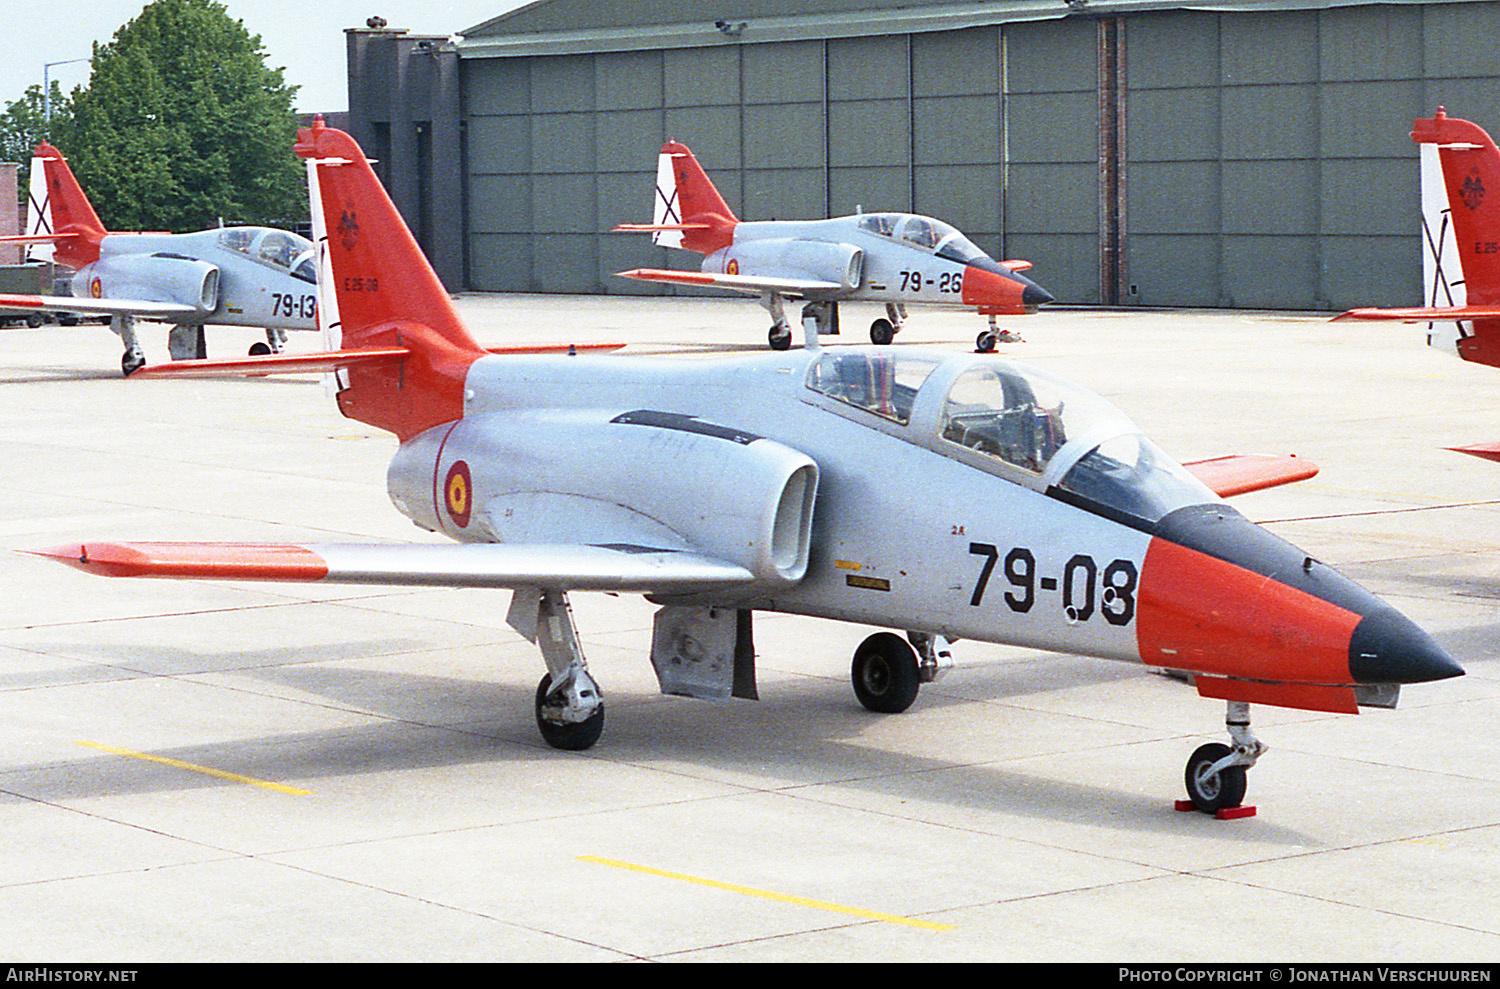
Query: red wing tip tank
point(721, 488)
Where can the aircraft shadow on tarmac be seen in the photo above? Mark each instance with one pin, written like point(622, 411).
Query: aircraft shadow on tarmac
point(805, 732)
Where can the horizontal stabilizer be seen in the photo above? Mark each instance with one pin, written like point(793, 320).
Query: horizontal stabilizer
point(1243, 473)
point(739, 283)
point(164, 311)
point(36, 238)
point(558, 567)
point(647, 228)
point(275, 364)
point(1421, 314)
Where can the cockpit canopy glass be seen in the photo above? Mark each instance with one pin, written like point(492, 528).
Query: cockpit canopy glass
point(277, 248)
point(1066, 437)
point(923, 233)
point(881, 383)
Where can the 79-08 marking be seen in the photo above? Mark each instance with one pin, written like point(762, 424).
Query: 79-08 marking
point(1087, 589)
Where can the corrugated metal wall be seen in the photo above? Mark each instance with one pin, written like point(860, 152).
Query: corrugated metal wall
point(1265, 155)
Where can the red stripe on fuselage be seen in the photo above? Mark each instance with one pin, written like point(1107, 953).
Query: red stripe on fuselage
point(1203, 614)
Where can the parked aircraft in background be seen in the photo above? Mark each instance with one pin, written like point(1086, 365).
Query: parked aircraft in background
point(1460, 168)
point(951, 496)
point(232, 276)
point(894, 258)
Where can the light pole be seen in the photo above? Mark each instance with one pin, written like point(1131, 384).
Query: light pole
point(47, 90)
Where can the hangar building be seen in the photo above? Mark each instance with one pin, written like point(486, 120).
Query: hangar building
point(1224, 154)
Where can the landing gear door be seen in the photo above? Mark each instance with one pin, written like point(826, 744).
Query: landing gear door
point(704, 652)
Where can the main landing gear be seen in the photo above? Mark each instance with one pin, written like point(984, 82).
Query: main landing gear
point(569, 704)
point(275, 344)
point(134, 358)
point(1215, 774)
point(883, 331)
point(888, 671)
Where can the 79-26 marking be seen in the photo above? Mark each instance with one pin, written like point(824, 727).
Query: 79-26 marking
point(1086, 588)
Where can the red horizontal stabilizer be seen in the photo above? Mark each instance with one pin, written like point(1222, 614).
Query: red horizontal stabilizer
point(275, 364)
point(1303, 696)
point(1237, 475)
point(36, 238)
point(1420, 314)
point(1485, 451)
point(647, 228)
point(215, 561)
point(552, 348)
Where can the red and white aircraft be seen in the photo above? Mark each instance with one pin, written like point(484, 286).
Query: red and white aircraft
point(231, 276)
point(894, 258)
point(1460, 168)
point(786, 482)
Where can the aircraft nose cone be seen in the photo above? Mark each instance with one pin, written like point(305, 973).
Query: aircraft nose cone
point(1034, 295)
point(1387, 647)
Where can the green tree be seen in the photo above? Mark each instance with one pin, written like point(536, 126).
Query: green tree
point(23, 125)
point(183, 124)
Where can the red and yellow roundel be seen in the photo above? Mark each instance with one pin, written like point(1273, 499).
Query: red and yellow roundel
point(733, 268)
point(96, 288)
point(458, 493)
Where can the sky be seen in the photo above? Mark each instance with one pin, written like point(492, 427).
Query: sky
point(303, 37)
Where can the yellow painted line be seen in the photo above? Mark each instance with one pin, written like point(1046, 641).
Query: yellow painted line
point(801, 901)
point(207, 771)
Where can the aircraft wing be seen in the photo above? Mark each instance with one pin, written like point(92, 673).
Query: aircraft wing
point(1421, 314)
point(500, 565)
point(164, 311)
point(740, 283)
point(1241, 474)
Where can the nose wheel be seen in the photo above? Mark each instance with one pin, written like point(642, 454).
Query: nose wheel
point(1215, 773)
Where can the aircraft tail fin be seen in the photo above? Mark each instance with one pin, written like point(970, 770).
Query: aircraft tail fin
point(1460, 168)
point(377, 289)
point(57, 207)
point(688, 212)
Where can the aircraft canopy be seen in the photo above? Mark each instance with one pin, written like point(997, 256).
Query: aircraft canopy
point(924, 233)
point(277, 248)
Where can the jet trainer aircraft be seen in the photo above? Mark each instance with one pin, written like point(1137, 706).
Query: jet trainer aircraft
point(894, 258)
point(789, 482)
point(232, 276)
point(1460, 169)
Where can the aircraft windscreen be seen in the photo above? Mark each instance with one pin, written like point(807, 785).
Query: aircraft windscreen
point(957, 247)
point(1033, 421)
point(307, 268)
point(1130, 474)
point(880, 383)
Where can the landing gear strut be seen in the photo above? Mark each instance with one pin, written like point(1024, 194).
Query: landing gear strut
point(569, 704)
point(780, 336)
point(1215, 774)
point(986, 341)
point(133, 359)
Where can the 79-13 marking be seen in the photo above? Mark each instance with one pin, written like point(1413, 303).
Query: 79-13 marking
point(1086, 588)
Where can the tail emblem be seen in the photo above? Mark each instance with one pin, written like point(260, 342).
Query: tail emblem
point(348, 230)
point(1472, 191)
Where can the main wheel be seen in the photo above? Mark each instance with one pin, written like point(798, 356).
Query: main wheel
point(571, 737)
point(885, 673)
point(882, 332)
point(1211, 793)
point(132, 362)
point(780, 337)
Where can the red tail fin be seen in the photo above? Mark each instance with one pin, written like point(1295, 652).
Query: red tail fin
point(378, 285)
point(1471, 175)
point(699, 202)
point(69, 209)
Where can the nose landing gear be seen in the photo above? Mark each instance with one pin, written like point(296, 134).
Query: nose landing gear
point(1215, 774)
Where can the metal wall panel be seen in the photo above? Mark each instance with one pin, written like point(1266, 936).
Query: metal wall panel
point(1266, 154)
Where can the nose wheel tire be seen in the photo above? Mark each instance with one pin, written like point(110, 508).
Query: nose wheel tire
point(1213, 792)
point(985, 343)
point(560, 735)
point(886, 673)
